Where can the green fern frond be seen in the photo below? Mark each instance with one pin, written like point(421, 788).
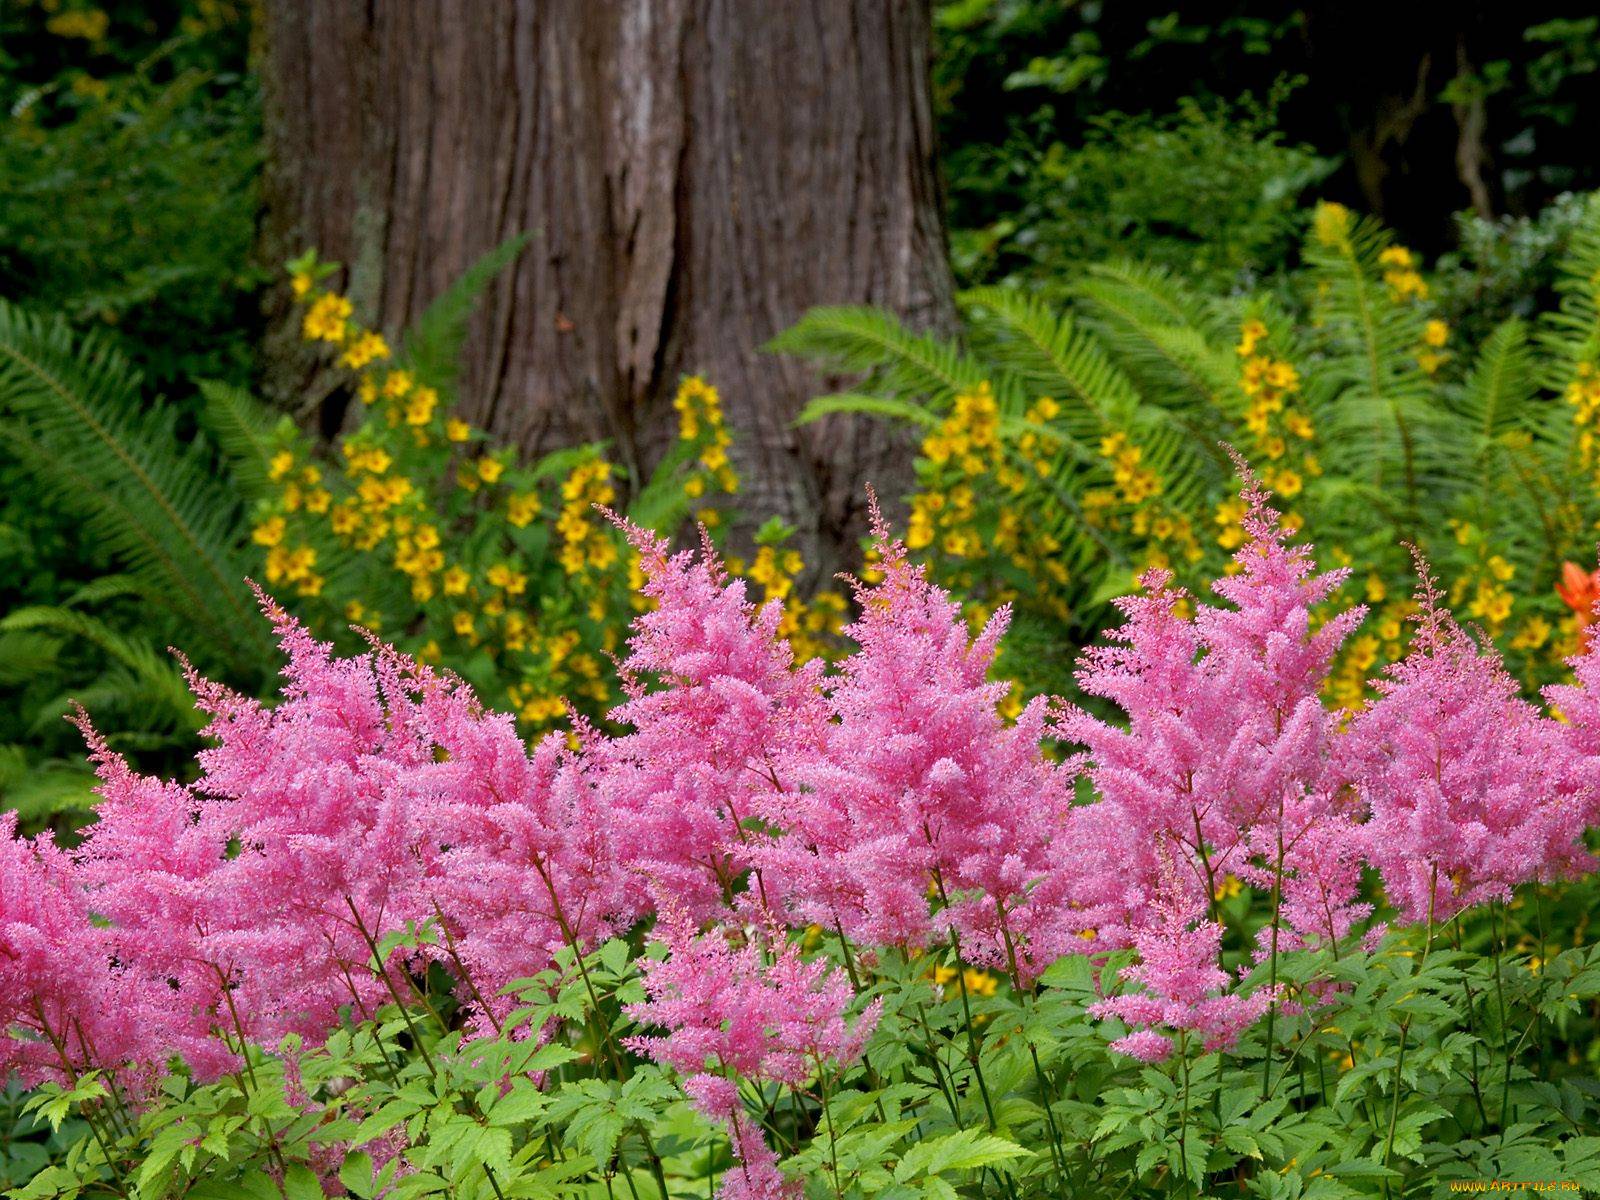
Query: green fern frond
point(433, 345)
point(1500, 390)
point(157, 679)
point(25, 655)
point(876, 406)
point(869, 341)
point(242, 427)
point(1383, 424)
point(1164, 336)
point(104, 588)
point(1570, 333)
point(42, 792)
point(73, 406)
point(1053, 357)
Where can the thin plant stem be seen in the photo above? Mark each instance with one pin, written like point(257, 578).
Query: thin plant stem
point(1405, 1031)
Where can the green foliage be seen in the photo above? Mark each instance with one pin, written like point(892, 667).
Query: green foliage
point(1236, 212)
point(1427, 1061)
point(145, 494)
point(134, 211)
point(121, 467)
point(1377, 421)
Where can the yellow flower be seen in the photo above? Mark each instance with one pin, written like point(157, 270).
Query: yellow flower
point(344, 518)
point(501, 575)
point(269, 532)
point(397, 384)
point(325, 320)
point(366, 348)
point(1331, 223)
point(522, 508)
point(457, 430)
point(1436, 333)
point(90, 24)
point(455, 581)
point(419, 409)
point(490, 469)
point(282, 463)
point(462, 622)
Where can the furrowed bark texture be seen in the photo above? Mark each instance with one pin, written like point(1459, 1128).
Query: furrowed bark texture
point(696, 174)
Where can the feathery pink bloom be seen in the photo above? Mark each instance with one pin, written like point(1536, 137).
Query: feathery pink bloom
point(1224, 763)
point(1468, 785)
point(730, 1008)
point(67, 1004)
point(758, 1011)
point(918, 782)
point(1183, 987)
point(705, 747)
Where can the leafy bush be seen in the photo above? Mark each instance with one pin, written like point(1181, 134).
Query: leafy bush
point(843, 931)
point(1236, 214)
point(419, 529)
point(1066, 451)
point(534, 594)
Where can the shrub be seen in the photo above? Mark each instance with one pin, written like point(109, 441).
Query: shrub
point(1064, 452)
point(418, 527)
point(837, 930)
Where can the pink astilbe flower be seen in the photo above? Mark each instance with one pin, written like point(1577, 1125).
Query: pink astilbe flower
point(1225, 757)
point(756, 1010)
point(532, 862)
point(148, 866)
point(919, 782)
point(705, 748)
point(67, 1004)
point(1183, 987)
point(328, 854)
point(1469, 787)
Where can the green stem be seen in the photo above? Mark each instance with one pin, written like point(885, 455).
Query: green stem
point(1405, 1031)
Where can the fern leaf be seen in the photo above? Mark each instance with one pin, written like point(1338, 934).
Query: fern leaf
point(243, 427)
point(73, 406)
point(854, 402)
point(433, 346)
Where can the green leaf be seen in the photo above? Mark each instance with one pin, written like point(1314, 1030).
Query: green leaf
point(965, 1150)
point(300, 1182)
point(356, 1174)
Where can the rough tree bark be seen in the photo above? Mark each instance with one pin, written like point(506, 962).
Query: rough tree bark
point(696, 173)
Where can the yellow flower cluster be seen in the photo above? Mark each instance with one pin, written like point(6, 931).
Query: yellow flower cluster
point(414, 498)
point(969, 436)
point(700, 420)
point(1583, 393)
point(1381, 639)
point(1432, 354)
point(812, 627)
point(962, 448)
point(1330, 223)
point(393, 504)
point(977, 983)
point(1138, 489)
point(584, 544)
point(1481, 588)
point(1401, 274)
point(1273, 416)
point(327, 320)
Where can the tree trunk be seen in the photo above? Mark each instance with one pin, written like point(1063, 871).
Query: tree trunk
point(696, 173)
